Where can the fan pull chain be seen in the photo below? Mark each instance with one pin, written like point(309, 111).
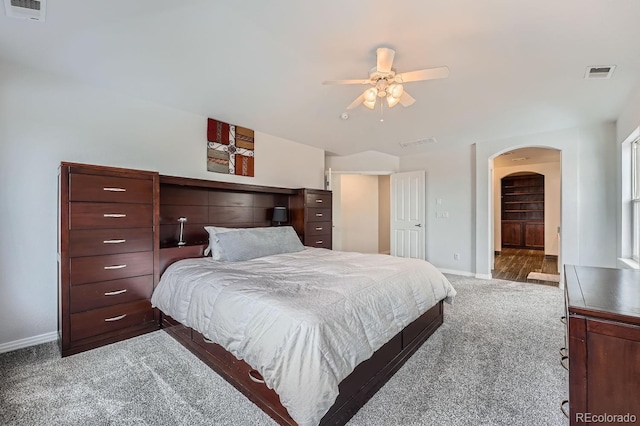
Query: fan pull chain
point(381, 110)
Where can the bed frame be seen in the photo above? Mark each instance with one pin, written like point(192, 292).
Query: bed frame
point(237, 205)
point(355, 390)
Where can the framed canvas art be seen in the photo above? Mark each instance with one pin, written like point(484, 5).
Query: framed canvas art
point(230, 148)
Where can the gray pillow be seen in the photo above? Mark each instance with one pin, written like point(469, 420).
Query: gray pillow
point(251, 243)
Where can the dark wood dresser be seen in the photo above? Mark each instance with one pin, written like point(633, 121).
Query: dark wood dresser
point(311, 217)
point(107, 256)
point(603, 333)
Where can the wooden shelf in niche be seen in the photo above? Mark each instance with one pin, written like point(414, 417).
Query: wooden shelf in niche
point(522, 202)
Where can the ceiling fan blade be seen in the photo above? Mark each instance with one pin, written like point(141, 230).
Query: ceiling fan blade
point(347, 82)
point(406, 99)
point(384, 59)
point(427, 74)
point(357, 102)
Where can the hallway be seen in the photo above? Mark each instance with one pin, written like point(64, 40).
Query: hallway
point(516, 264)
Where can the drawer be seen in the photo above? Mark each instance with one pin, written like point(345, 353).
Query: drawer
point(110, 189)
point(110, 215)
point(320, 241)
point(106, 293)
point(90, 242)
point(242, 372)
point(110, 267)
point(317, 228)
point(318, 200)
point(318, 214)
point(104, 320)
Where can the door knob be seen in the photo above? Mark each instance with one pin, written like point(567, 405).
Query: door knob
point(419, 225)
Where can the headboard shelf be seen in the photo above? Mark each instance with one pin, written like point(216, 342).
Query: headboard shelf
point(210, 203)
point(224, 186)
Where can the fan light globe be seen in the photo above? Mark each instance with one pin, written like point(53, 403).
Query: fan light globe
point(396, 90)
point(370, 104)
point(392, 101)
point(370, 94)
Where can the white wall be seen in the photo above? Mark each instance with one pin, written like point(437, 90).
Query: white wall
point(369, 162)
point(552, 199)
point(45, 120)
point(384, 214)
point(359, 213)
point(449, 178)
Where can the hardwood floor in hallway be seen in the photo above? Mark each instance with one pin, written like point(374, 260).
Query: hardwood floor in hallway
point(515, 265)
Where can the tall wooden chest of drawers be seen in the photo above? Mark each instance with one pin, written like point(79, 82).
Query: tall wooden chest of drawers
point(311, 217)
point(603, 329)
point(107, 256)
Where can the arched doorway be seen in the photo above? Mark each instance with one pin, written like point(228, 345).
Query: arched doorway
point(526, 215)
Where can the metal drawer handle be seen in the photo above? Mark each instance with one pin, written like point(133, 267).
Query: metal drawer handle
point(319, 228)
point(115, 267)
point(114, 215)
point(207, 340)
point(562, 404)
point(114, 241)
point(118, 318)
point(319, 215)
point(115, 293)
point(562, 360)
point(319, 201)
point(255, 378)
point(115, 189)
point(319, 242)
point(563, 352)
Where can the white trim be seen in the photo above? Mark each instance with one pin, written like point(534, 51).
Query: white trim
point(456, 272)
point(624, 263)
point(29, 341)
point(362, 172)
point(484, 276)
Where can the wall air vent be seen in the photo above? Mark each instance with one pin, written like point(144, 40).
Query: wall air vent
point(599, 72)
point(33, 10)
point(418, 142)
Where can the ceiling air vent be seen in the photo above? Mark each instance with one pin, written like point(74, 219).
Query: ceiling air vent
point(599, 72)
point(418, 142)
point(33, 10)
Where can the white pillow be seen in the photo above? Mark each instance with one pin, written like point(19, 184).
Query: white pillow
point(251, 243)
point(214, 247)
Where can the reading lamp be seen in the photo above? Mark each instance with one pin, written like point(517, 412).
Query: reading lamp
point(279, 215)
point(181, 241)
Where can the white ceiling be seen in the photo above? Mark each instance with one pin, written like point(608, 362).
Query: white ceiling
point(516, 67)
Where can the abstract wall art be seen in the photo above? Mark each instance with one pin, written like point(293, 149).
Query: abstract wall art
point(230, 148)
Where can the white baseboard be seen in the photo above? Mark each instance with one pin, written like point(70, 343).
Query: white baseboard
point(483, 276)
point(29, 341)
point(456, 272)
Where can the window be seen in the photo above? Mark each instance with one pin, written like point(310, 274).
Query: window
point(635, 199)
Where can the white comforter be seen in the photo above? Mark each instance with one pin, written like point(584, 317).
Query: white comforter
point(304, 320)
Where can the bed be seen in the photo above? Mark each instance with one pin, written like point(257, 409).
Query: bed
point(308, 334)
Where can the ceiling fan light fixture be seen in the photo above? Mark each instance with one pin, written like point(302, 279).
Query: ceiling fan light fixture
point(392, 101)
point(369, 104)
point(395, 90)
point(370, 94)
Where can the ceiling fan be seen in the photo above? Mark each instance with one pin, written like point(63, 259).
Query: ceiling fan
point(387, 83)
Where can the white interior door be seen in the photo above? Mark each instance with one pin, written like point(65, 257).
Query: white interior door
point(408, 214)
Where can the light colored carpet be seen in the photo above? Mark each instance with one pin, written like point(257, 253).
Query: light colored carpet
point(543, 277)
point(493, 362)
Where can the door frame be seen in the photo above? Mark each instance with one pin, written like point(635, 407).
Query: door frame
point(494, 200)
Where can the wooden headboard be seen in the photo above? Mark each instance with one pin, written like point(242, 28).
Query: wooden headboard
point(205, 203)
